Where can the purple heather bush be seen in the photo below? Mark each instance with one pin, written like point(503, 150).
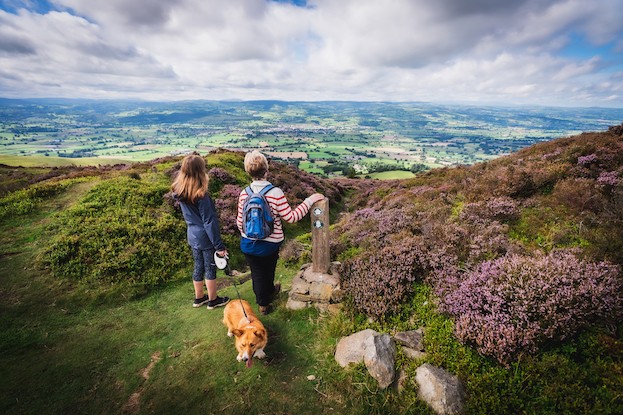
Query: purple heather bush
point(499, 208)
point(587, 160)
point(608, 178)
point(221, 175)
point(370, 227)
point(515, 304)
point(379, 281)
point(227, 207)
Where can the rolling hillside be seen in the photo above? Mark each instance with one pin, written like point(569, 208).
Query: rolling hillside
point(513, 267)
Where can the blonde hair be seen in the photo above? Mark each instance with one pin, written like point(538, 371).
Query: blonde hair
point(255, 164)
point(191, 182)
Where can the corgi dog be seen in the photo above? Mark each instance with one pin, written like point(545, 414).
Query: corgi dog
point(251, 336)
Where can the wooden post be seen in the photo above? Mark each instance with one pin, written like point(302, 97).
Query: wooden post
point(319, 214)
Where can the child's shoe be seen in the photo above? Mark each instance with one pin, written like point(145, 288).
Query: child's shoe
point(200, 301)
point(217, 302)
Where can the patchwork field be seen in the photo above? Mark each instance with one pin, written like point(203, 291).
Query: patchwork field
point(343, 136)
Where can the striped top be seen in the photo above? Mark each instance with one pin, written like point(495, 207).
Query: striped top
point(279, 207)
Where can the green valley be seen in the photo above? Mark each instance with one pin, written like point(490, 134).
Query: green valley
point(327, 138)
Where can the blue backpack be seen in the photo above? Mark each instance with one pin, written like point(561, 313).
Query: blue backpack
point(257, 219)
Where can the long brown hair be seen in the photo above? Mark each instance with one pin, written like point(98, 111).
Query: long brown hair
point(191, 182)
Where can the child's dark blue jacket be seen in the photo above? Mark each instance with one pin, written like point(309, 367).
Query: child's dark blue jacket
point(203, 227)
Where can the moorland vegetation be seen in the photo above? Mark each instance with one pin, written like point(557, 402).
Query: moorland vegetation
point(513, 267)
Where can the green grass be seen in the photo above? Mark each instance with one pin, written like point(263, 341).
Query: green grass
point(67, 346)
point(391, 175)
point(43, 161)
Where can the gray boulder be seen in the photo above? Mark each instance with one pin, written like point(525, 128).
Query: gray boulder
point(412, 339)
point(380, 357)
point(350, 349)
point(441, 390)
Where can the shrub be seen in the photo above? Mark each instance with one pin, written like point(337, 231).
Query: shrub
point(516, 304)
point(294, 252)
point(26, 200)
point(226, 204)
point(498, 208)
point(121, 232)
point(219, 177)
point(379, 282)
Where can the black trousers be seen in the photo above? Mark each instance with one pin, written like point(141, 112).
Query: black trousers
point(263, 276)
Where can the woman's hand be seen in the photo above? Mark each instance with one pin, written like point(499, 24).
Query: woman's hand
point(223, 253)
point(316, 197)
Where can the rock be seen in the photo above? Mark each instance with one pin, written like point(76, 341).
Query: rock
point(350, 348)
point(412, 339)
point(412, 353)
point(299, 285)
point(311, 276)
point(292, 304)
point(379, 355)
point(319, 291)
point(441, 390)
point(337, 295)
point(300, 297)
point(315, 287)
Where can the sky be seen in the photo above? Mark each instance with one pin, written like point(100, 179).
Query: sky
point(507, 52)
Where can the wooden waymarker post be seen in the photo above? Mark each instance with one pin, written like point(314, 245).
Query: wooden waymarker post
point(319, 214)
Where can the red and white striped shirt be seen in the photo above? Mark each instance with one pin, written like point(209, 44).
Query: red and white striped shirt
point(279, 207)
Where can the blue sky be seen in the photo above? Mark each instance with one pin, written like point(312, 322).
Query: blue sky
point(512, 52)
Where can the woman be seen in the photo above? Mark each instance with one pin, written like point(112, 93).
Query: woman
point(190, 187)
point(262, 254)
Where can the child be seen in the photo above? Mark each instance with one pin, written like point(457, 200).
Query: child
point(190, 187)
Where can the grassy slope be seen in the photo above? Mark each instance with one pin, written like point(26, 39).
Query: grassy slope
point(63, 353)
point(66, 348)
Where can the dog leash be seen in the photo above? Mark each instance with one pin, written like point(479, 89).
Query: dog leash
point(228, 273)
point(240, 299)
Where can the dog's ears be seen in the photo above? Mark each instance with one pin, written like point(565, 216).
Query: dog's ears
point(260, 334)
point(237, 332)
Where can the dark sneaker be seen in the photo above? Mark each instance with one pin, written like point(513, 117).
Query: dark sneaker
point(200, 301)
point(217, 302)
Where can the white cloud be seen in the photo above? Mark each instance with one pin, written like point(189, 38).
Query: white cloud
point(481, 50)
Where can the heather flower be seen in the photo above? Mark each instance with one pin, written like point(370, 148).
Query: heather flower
point(515, 304)
point(379, 282)
point(498, 208)
point(227, 207)
point(221, 175)
point(610, 178)
point(587, 160)
point(553, 154)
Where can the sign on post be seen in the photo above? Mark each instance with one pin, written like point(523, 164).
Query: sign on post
point(320, 236)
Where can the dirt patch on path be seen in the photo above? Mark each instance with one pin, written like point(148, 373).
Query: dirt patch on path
point(133, 405)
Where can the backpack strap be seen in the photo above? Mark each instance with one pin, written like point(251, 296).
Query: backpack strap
point(266, 189)
point(249, 191)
